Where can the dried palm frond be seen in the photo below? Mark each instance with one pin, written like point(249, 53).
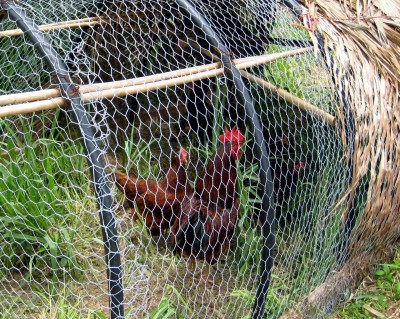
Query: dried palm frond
point(363, 38)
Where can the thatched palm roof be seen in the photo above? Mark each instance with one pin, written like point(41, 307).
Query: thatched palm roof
point(364, 39)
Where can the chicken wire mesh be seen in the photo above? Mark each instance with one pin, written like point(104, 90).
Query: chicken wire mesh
point(163, 130)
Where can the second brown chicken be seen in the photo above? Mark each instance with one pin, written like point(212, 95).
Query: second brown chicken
point(159, 203)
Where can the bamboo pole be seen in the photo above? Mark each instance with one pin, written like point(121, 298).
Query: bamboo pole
point(29, 96)
point(159, 85)
point(120, 88)
point(304, 105)
point(52, 93)
point(292, 99)
point(86, 22)
point(247, 63)
point(17, 109)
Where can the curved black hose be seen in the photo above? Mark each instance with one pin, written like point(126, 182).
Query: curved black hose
point(267, 215)
point(103, 193)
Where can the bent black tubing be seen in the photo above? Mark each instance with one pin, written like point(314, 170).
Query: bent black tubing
point(103, 193)
point(261, 154)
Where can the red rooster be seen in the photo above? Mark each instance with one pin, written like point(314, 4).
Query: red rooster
point(157, 202)
point(209, 215)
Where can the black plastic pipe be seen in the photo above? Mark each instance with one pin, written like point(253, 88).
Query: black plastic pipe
point(104, 199)
point(267, 215)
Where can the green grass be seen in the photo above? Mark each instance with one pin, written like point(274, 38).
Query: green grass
point(61, 308)
point(382, 293)
point(21, 69)
point(168, 306)
point(35, 221)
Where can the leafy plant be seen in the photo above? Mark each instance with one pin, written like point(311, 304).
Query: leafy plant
point(275, 299)
point(34, 220)
point(379, 295)
point(249, 240)
point(168, 308)
point(62, 308)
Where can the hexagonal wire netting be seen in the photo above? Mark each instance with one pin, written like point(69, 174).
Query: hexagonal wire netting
point(160, 107)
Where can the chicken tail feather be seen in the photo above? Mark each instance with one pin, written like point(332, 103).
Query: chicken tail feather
point(192, 237)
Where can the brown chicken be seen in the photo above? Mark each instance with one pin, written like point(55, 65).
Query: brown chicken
point(158, 203)
point(209, 215)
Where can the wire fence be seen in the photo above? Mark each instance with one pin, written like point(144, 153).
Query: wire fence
point(180, 155)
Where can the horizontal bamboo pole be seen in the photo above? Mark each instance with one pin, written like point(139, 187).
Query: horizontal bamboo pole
point(52, 93)
point(120, 88)
point(86, 22)
point(29, 96)
point(292, 99)
point(159, 85)
point(17, 109)
point(304, 105)
point(247, 63)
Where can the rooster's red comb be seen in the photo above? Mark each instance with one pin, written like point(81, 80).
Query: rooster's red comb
point(183, 155)
point(231, 136)
point(299, 166)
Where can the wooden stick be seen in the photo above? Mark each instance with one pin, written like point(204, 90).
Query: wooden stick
point(42, 105)
point(120, 88)
point(159, 85)
point(51, 93)
point(247, 63)
point(86, 22)
point(149, 79)
point(292, 99)
point(374, 312)
point(29, 96)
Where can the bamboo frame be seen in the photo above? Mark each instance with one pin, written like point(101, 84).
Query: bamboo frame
point(50, 98)
point(292, 99)
point(86, 22)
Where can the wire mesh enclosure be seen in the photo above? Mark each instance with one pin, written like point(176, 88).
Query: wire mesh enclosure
point(178, 152)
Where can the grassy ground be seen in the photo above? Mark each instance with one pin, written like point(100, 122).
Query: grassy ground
point(377, 297)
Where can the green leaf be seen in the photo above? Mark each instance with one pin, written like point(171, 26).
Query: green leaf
point(379, 273)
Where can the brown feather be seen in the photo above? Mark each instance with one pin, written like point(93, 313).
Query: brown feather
point(217, 184)
point(209, 215)
point(157, 202)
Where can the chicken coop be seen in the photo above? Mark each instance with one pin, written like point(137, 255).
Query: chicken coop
point(195, 159)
